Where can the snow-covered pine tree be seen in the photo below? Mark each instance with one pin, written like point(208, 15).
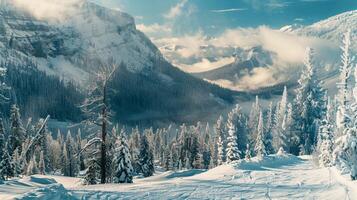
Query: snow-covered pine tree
point(269, 126)
point(344, 95)
point(309, 106)
point(221, 143)
point(123, 170)
point(41, 164)
point(90, 177)
point(134, 146)
point(279, 130)
point(325, 140)
point(17, 129)
point(345, 152)
point(6, 165)
point(167, 159)
point(253, 120)
point(80, 160)
point(221, 151)
point(17, 163)
point(146, 157)
point(260, 150)
point(233, 153)
point(71, 168)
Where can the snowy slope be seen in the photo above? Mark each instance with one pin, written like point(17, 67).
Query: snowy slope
point(275, 177)
point(73, 48)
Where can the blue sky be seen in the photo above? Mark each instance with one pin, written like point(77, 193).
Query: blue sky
point(214, 16)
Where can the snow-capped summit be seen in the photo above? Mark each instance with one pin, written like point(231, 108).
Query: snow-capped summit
point(333, 28)
point(88, 36)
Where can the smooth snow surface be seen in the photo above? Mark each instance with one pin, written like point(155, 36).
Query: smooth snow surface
point(274, 177)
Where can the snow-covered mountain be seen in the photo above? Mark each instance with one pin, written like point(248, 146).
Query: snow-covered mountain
point(245, 61)
point(330, 29)
point(148, 87)
point(325, 36)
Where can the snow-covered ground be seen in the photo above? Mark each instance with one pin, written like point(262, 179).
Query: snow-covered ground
point(275, 177)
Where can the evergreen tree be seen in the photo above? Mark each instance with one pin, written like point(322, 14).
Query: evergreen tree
point(269, 126)
point(345, 152)
point(259, 145)
point(309, 106)
point(253, 120)
point(232, 146)
point(90, 177)
point(146, 157)
point(168, 159)
point(123, 169)
point(17, 129)
point(81, 165)
point(221, 145)
point(221, 151)
point(6, 166)
point(343, 96)
point(280, 137)
point(17, 163)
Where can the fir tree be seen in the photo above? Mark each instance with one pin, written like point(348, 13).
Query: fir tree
point(232, 146)
point(146, 157)
point(221, 151)
point(123, 172)
point(90, 177)
point(309, 106)
point(221, 143)
point(259, 145)
point(6, 166)
point(269, 126)
point(343, 96)
point(17, 129)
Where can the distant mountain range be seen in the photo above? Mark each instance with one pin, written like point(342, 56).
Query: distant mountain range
point(331, 30)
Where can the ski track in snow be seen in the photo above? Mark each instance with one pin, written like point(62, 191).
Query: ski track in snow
point(273, 178)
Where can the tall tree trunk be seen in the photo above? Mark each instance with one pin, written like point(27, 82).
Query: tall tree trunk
point(104, 133)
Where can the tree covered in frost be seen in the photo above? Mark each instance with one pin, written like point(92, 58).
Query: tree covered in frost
point(259, 148)
point(280, 137)
point(221, 143)
point(90, 177)
point(17, 129)
point(146, 157)
point(309, 107)
point(6, 165)
point(233, 153)
point(254, 120)
point(325, 143)
point(96, 108)
point(345, 152)
point(269, 127)
point(221, 151)
point(123, 170)
point(343, 95)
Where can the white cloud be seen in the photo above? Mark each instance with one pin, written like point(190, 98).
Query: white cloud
point(176, 10)
point(198, 53)
point(229, 10)
point(48, 9)
point(155, 29)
